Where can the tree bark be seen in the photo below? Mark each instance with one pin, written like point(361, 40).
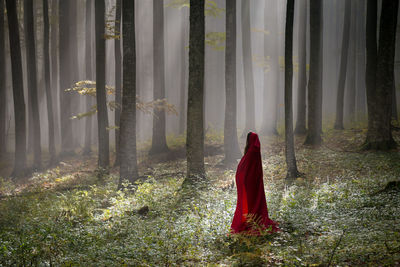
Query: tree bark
point(343, 67)
point(128, 159)
point(18, 90)
point(231, 144)
point(32, 82)
point(195, 112)
point(49, 99)
point(250, 123)
point(379, 90)
point(184, 67)
point(314, 82)
point(292, 171)
point(102, 114)
point(302, 82)
point(65, 79)
point(3, 143)
point(118, 77)
point(158, 140)
point(351, 84)
point(89, 75)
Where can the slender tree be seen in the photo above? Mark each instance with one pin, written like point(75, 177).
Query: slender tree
point(18, 89)
point(159, 141)
point(302, 82)
point(379, 89)
point(65, 79)
point(118, 76)
point(292, 171)
point(195, 112)
point(53, 20)
point(183, 81)
point(128, 159)
point(102, 116)
point(250, 123)
point(231, 144)
point(351, 68)
point(315, 75)
point(2, 82)
point(343, 67)
point(32, 83)
point(49, 99)
point(89, 75)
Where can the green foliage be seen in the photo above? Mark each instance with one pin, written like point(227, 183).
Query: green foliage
point(216, 40)
point(211, 7)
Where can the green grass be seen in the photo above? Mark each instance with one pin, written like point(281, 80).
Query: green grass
point(333, 214)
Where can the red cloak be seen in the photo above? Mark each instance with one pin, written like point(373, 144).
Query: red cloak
point(251, 213)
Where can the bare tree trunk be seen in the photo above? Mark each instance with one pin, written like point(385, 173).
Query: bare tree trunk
point(314, 82)
point(18, 90)
point(102, 114)
point(379, 94)
point(302, 83)
point(89, 75)
point(32, 83)
point(183, 85)
point(343, 67)
point(195, 113)
point(292, 171)
point(351, 85)
point(250, 123)
point(3, 143)
point(65, 79)
point(118, 78)
point(158, 140)
point(49, 99)
point(231, 144)
point(128, 159)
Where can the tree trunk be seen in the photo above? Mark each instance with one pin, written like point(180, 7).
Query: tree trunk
point(351, 85)
point(250, 123)
point(302, 83)
point(102, 115)
point(158, 140)
point(127, 139)
point(271, 77)
point(379, 91)
point(231, 145)
point(18, 89)
point(89, 76)
point(183, 85)
point(32, 83)
point(65, 79)
point(343, 67)
point(314, 82)
point(361, 92)
point(195, 112)
point(3, 148)
point(118, 77)
point(49, 99)
point(292, 171)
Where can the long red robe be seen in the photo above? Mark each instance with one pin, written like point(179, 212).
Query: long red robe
point(251, 213)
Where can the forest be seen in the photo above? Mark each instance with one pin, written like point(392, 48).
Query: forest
point(123, 128)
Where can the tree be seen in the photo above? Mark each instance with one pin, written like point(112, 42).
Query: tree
point(343, 67)
point(32, 84)
point(127, 138)
point(302, 82)
point(315, 75)
point(54, 67)
point(231, 145)
point(379, 74)
point(18, 89)
point(102, 114)
point(195, 112)
point(118, 76)
point(292, 171)
point(65, 78)
point(49, 99)
point(351, 69)
point(159, 141)
point(2, 82)
point(250, 123)
point(183, 82)
point(89, 75)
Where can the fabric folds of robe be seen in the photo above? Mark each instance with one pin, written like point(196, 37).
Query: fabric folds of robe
point(251, 215)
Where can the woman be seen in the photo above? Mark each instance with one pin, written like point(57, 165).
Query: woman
point(251, 215)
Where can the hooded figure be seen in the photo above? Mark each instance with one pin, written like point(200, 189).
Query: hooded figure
point(251, 215)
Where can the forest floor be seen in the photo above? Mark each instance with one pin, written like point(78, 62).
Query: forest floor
point(337, 213)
